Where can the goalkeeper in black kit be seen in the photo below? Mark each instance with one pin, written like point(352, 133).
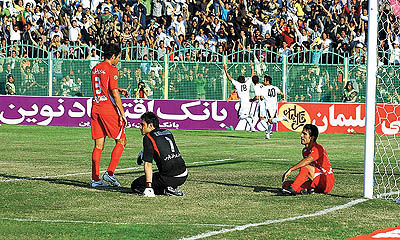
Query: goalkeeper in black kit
point(159, 144)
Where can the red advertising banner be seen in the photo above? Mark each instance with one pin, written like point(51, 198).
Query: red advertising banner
point(338, 117)
point(329, 117)
point(388, 119)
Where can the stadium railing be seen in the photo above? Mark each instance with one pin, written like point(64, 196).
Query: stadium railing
point(186, 73)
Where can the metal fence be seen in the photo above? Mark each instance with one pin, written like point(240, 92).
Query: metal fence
point(190, 73)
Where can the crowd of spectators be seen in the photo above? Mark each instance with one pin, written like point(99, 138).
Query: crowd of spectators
point(283, 26)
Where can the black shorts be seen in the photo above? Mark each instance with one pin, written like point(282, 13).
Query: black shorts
point(160, 182)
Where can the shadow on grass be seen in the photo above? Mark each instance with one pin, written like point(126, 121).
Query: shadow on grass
point(86, 184)
point(187, 166)
point(69, 182)
point(274, 190)
point(255, 188)
point(344, 171)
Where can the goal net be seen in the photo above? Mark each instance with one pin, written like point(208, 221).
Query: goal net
point(386, 182)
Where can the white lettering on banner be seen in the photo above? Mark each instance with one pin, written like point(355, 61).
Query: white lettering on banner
point(84, 124)
point(24, 113)
point(138, 109)
point(323, 128)
point(392, 234)
point(169, 125)
point(214, 114)
point(47, 111)
point(79, 114)
point(89, 104)
point(134, 109)
point(393, 129)
point(341, 120)
point(197, 117)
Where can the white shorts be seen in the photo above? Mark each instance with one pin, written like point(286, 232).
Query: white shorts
point(244, 110)
point(262, 111)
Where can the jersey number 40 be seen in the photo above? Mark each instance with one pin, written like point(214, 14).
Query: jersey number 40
point(271, 92)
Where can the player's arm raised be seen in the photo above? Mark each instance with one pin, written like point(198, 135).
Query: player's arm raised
point(226, 72)
point(118, 102)
point(124, 92)
point(253, 73)
point(306, 161)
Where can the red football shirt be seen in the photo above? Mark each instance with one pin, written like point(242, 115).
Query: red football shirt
point(104, 79)
point(321, 160)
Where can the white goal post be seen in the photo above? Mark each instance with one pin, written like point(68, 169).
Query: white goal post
point(382, 122)
point(372, 67)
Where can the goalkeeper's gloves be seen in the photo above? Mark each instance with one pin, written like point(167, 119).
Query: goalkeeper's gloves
point(148, 192)
point(140, 158)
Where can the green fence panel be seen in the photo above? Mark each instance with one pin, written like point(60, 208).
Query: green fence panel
point(30, 75)
point(315, 83)
point(195, 80)
point(149, 72)
point(191, 73)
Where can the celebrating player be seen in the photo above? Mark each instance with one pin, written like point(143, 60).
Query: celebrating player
point(315, 169)
point(269, 105)
point(243, 89)
point(159, 144)
point(257, 92)
point(108, 117)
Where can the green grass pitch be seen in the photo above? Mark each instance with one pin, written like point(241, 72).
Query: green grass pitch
point(219, 194)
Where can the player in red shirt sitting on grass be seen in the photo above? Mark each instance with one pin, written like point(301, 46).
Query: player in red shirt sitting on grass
point(316, 173)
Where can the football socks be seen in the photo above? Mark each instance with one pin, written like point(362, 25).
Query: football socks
point(115, 157)
point(96, 156)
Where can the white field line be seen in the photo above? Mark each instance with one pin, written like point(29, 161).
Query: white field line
point(243, 227)
point(87, 173)
point(113, 223)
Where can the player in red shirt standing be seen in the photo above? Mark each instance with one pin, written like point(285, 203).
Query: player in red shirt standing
point(108, 116)
point(315, 169)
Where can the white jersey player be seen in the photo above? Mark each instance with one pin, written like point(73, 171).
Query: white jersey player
point(269, 105)
point(242, 86)
point(257, 96)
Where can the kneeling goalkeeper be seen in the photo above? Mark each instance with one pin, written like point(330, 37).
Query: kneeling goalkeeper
point(315, 168)
point(159, 144)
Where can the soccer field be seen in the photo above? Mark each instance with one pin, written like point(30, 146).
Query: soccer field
point(232, 191)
